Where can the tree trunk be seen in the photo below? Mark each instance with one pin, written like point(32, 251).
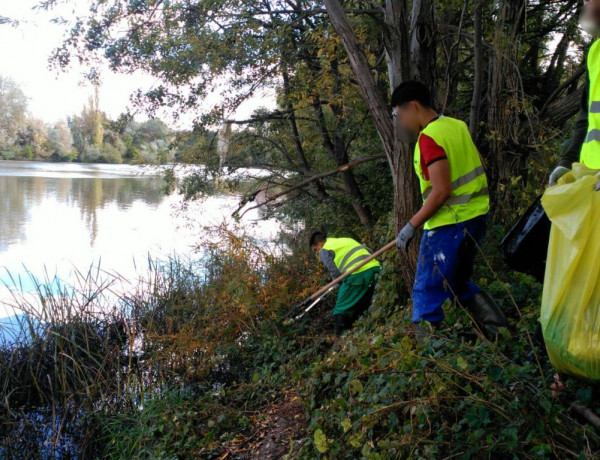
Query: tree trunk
point(422, 44)
point(318, 185)
point(398, 154)
point(396, 42)
point(336, 149)
point(478, 72)
point(506, 114)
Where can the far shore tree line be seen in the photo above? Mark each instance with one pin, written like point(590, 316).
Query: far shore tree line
point(88, 137)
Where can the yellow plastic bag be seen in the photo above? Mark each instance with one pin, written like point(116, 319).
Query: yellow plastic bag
point(570, 314)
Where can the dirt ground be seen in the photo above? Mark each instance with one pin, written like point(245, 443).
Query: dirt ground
point(279, 424)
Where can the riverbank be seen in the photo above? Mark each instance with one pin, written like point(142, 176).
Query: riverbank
point(203, 367)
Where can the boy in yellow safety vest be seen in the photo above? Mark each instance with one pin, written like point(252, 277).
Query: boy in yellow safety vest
point(454, 212)
point(585, 143)
point(339, 255)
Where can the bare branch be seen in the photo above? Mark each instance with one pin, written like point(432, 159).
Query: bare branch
point(303, 184)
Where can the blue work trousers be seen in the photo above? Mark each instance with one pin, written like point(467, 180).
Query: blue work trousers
point(445, 267)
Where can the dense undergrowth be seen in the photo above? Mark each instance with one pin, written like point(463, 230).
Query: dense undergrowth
point(186, 367)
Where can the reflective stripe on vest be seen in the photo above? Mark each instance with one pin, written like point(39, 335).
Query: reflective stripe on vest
point(464, 199)
point(593, 135)
point(348, 254)
point(595, 107)
point(346, 263)
point(462, 180)
point(470, 194)
point(590, 150)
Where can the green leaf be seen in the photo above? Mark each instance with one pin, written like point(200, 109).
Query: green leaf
point(346, 424)
point(495, 373)
point(356, 387)
point(320, 441)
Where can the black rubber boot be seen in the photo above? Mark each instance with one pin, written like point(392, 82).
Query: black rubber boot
point(341, 323)
point(486, 314)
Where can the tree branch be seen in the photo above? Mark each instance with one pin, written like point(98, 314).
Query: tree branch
point(302, 184)
point(571, 80)
point(587, 414)
point(275, 115)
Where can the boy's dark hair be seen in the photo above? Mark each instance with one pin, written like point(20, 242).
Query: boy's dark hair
point(412, 91)
point(316, 238)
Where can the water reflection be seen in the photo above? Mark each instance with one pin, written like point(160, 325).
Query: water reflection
point(58, 221)
point(20, 194)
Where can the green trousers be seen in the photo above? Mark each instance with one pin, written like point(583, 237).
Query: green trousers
point(353, 289)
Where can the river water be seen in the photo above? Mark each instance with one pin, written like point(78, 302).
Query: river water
point(58, 220)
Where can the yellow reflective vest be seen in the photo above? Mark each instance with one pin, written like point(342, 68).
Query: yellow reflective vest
point(348, 253)
point(590, 151)
point(470, 194)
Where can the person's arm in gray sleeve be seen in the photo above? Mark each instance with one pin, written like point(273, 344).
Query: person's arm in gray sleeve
point(572, 153)
point(327, 257)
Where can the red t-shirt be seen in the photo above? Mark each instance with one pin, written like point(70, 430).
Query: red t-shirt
point(430, 153)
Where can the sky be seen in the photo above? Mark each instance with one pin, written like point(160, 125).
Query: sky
point(54, 95)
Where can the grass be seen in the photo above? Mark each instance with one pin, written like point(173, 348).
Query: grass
point(69, 358)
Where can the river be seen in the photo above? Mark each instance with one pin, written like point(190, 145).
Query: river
point(59, 220)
